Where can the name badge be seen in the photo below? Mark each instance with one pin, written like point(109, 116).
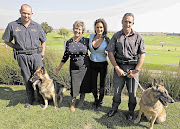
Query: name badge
point(18, 29)
point(118, 40)
point(33, 30)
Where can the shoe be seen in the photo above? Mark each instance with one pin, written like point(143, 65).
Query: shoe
point(98, 107)
point(81, 100)
point(80, 104)
point(72, 108)
point(111, 113)
point(27, 105)
point(129, 117)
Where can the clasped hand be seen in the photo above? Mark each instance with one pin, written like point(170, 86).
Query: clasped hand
point(120, 72)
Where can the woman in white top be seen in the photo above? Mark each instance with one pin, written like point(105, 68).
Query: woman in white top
point(98, 64)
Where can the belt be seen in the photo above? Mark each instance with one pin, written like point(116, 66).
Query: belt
point(28, 52)
point(126, 62)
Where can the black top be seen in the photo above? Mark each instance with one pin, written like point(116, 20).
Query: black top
point(78, 53)
point(126, 47)
point(24, 38)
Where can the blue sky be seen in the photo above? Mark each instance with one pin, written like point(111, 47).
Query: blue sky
point(64, 5)
point(150, 15)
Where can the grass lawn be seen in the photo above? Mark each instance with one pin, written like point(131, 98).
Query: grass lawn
point(15, 116)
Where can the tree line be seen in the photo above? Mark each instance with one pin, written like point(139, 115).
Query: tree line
point(48, 29)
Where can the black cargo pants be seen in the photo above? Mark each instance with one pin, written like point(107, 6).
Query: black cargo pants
point(118, 83)
point(28, 65)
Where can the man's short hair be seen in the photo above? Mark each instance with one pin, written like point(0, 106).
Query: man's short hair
point(128, 14)
point(25, 5)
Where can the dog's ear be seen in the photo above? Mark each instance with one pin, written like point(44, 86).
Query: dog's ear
point(155, 85)
point(154, 82)
point(162, 83)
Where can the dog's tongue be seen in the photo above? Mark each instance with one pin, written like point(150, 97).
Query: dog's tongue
point(163, 102)
point(35, 83)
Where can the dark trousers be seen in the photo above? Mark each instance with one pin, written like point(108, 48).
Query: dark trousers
point(98, 68)
point(28, 65)
point(119, 83)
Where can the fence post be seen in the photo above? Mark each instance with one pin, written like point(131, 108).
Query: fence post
point(179, 68)
point(64, 45)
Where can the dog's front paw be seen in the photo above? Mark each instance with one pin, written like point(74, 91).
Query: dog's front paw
point(56, 108)
point(44, 108)
point(150, 127)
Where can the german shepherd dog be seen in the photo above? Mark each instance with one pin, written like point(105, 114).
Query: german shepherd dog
point(151, 103)
point(47, 88)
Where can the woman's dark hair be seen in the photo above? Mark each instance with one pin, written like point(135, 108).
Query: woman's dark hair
point(104, 25)
point(105, 28)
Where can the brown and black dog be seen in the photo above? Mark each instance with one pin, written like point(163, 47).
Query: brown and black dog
point(151, 103)
point(47, 88)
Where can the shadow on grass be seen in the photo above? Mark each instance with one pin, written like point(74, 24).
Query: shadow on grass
point(19, 96)
point(119, 119)
point(14, 97)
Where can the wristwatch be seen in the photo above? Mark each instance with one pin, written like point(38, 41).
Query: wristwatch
point(136, 70)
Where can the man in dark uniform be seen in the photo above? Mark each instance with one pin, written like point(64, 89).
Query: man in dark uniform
point(126, 52)
point(27, 36)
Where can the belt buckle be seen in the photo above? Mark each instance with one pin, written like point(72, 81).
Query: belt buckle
point(28, 53)
point(16, 52)
point(126, 62)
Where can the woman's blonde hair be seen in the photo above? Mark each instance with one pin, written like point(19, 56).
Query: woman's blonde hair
point(78, 24)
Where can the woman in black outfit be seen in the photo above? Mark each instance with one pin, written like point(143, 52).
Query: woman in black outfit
point(97, 44)
point(77, 50)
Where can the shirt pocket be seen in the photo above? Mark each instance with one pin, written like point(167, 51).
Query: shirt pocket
point(119, 47)
point(35, 37)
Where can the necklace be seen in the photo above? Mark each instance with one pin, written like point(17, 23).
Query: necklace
point(77, 40)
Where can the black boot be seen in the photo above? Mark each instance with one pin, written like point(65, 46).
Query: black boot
point(113, 110)
point(131, 111)
point(100, 101)
point(81, 101)
point(95, 105)
point(94, 91)
point(30, 94)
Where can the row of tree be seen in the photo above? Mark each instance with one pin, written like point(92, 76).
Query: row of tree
point(48, 29)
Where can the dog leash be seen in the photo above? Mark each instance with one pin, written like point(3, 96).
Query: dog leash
point(138, 84)
point(130, 89)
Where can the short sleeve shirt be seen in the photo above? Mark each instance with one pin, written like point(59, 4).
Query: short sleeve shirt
point(126, 47)
point(78, 53)
point(24, 38)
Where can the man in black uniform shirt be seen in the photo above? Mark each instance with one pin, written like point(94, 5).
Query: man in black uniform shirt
point(29, 46)
point(126, 52)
